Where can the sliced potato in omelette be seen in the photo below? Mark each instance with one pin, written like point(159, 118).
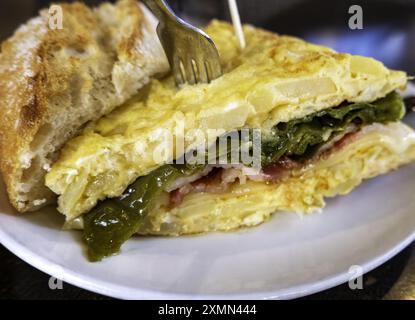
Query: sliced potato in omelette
point(282, 85)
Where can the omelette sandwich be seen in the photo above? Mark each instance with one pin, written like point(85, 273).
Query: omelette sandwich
point(326, 122)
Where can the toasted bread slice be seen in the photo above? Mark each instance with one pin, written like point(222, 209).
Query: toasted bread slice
point(52, 82)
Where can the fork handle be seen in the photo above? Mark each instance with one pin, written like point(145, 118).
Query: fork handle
point(160, 9)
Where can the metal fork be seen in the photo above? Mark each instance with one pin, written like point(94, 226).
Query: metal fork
point(192, 55)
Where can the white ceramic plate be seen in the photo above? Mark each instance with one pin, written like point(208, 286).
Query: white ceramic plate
point(288, 257)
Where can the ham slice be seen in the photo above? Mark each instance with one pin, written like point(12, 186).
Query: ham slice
point(218, 179)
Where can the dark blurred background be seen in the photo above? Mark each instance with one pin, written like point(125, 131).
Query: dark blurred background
point(388, 34)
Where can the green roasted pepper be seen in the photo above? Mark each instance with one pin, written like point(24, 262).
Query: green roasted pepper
point(301, 137)
point(114, 221)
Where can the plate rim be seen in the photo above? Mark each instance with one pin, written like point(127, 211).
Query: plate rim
point(109, 289)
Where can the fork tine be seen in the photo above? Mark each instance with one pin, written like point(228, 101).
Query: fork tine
point(215, 69)
point(190, 71)
point(202, 71)
point(178, 70)
point(196, 71)
point(210, 73)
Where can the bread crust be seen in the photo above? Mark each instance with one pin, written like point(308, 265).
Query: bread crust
point(46, 76)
